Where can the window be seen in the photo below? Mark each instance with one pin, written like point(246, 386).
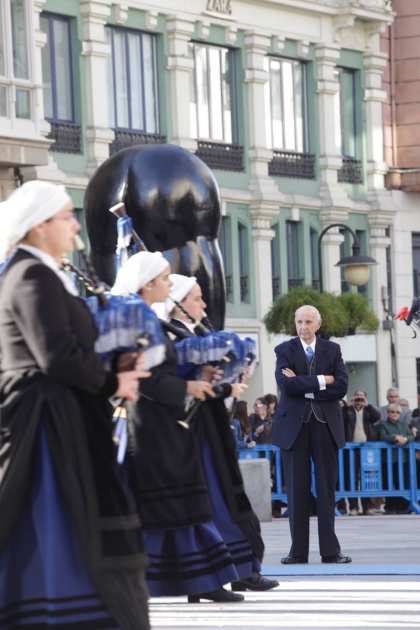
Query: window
point(132, 80)
point(16, 92)
point(313, 237)
point(225, 240)
point(275, 261)
point(212, 94)
point(293, 255)
point(345, 119)
point(286, 99)
point(345, 113)
point(415, 240)
point(57, 69)
point(243, 261)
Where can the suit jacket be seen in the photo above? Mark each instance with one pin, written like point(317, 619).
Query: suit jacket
point(292, 406)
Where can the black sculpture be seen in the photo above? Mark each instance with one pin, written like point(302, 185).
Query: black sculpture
point(173, 200)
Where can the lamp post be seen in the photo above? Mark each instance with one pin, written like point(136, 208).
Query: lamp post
point(356, 267)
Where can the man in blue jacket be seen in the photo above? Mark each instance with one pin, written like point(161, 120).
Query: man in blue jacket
point(312, 378)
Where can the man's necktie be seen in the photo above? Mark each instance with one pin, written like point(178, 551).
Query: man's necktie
point(309, 353)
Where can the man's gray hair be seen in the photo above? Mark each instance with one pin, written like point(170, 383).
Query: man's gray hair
point(392, 389)
point(317, 313)
point(394, 407)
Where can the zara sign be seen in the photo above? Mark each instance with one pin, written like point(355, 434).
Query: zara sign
point(219, 6)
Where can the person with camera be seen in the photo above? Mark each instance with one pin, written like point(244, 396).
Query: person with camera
point(359, 420)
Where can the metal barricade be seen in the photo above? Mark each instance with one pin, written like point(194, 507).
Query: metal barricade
point(402, 480)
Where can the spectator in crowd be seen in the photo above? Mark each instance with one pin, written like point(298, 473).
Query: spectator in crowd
point(404, 402)
point(393, 396)
point(395, 431)
point(359, 417)
point(241, 427)
point(272, 402)
point(261, 422)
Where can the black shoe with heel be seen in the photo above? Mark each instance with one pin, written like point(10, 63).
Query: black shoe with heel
point(256, 582)
point(218, 595)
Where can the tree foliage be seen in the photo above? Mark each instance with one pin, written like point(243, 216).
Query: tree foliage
point(341, 314)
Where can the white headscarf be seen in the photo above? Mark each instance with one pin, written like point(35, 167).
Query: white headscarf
point(138, 271)
point(29, 205)
point(181, 286)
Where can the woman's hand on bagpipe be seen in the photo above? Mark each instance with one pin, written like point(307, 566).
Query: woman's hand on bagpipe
point(211, 373)
point(128, 385)
point(238, 389)
point(200, 389)
point(132, 360)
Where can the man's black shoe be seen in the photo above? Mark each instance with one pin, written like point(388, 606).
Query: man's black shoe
point(254, 583)
point(337, 559)
point(294, 560)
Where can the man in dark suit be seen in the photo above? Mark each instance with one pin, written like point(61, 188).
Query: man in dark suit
point(312, 378)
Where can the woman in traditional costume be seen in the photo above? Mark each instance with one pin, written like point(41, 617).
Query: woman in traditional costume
point(233, 516)
point(71, 551)
point(187, 553)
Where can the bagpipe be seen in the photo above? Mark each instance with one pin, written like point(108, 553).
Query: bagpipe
point(123, 323)
point(129, 242)
point(221, 349)
point(411, 316)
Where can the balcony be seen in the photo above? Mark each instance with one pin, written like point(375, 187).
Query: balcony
point(293, 165)
point(222, 157)
point(350, 172)
point(125, 139)
point(66, 136)
point(292, 283)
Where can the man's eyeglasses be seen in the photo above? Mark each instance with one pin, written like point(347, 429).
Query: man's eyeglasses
point(397, 412)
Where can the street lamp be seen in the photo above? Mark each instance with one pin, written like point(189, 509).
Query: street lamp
point(356, 267)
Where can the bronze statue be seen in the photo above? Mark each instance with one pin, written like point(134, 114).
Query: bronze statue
point(173, 200)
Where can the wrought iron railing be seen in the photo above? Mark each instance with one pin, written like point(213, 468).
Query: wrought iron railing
point(229, 288)
point(292, 283)
point(291, 164)
point(350, 172)
point(244, 288)
point(66, 136)
point(275, 283)
point(220, 156)
point(125, 139)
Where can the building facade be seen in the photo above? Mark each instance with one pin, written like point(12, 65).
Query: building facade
point(284, 99)
point(401, 43)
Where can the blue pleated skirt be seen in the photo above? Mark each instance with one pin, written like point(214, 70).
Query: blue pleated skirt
point(199, 558)
point(44, 582)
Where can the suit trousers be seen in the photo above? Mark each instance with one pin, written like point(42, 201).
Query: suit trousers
point(314, 440)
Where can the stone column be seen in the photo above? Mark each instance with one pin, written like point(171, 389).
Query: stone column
point(262, 235)
point(95, 50)
point(257, 79)
point(331, 192)
point(379, 241)
point(180, 66)
point(40, 41)
point(374, 64)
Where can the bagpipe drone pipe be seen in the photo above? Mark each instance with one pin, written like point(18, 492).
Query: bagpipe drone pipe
point(123, 323)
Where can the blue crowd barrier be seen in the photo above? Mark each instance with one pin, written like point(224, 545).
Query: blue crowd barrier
point(374, 456)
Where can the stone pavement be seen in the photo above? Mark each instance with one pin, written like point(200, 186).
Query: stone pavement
point(379, 589)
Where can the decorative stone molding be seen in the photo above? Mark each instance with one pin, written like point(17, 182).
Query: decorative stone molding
point(203, 29)
point(277, 43)
point(121, 12)
point(151, 19)
point(231, 35)
point(302, 48)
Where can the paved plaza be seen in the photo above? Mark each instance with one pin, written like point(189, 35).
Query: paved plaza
point(379, 589)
